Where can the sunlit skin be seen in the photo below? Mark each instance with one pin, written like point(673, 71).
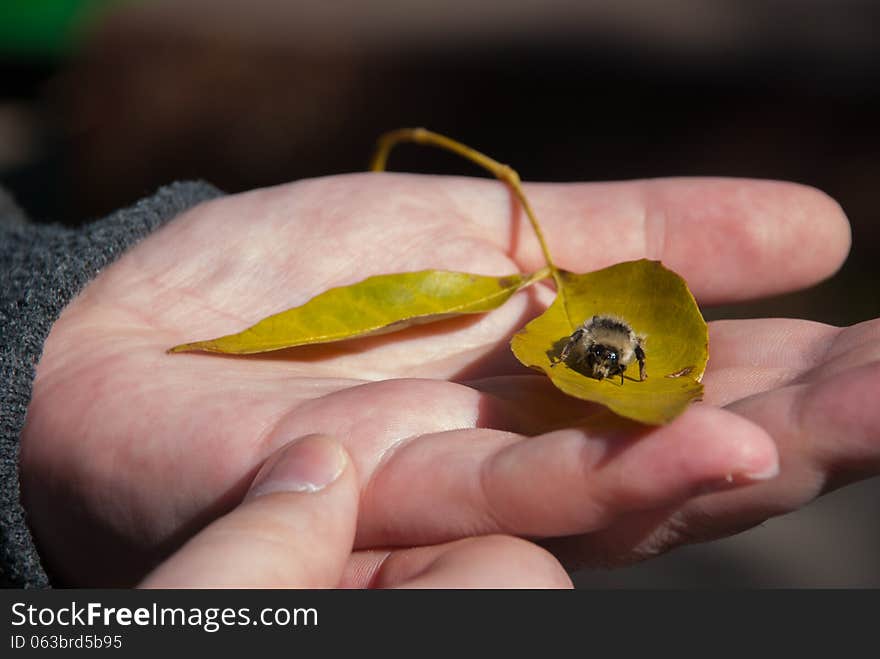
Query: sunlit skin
point(449, 435)
point(303, 539)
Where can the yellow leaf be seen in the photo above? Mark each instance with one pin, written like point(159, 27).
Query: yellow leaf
point(657, 304)
point(380, 304)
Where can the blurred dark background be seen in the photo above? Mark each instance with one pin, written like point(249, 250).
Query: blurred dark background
point(102, 101)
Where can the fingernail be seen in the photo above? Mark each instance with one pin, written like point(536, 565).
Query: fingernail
point(739, 479)
point(765, 474)
point(307, 465)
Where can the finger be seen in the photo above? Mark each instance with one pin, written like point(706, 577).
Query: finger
point(295, 527)
point(751, 356)
point(731, 239)
point(484, 562)
point(852, 347)
point(373, 418)
point(566, 482)
point(828, 427)
point(828, 435)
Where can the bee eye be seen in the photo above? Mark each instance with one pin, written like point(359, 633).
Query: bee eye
point(612, 356)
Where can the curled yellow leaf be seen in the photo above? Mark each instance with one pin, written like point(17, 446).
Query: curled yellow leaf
point(657, 304)
point(376, 305)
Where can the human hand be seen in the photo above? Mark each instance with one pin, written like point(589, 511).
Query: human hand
point(450, 435)
point(296, 528)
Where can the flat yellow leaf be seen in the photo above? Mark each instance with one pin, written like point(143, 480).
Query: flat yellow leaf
point(657, 304)
point(380, 304)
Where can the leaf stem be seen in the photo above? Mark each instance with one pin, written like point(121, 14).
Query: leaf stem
point(536, 276)
point(501, 171)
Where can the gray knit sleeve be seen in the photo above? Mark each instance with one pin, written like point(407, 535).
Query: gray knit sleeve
point(42, 267)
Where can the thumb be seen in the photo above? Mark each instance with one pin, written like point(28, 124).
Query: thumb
point(295, 527)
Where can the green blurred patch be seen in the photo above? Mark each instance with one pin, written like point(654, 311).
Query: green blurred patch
point(45, 27)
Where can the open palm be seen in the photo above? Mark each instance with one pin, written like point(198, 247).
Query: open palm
point(128, 450)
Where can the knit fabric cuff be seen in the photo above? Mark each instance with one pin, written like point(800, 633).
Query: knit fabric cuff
point(43, 268)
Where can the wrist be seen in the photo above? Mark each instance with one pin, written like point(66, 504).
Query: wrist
point(44, 268)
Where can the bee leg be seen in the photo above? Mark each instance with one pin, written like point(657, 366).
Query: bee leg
point(572, 342)
point(640, 355)
point(566, 349)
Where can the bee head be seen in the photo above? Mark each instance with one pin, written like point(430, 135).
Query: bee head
point(604, 361)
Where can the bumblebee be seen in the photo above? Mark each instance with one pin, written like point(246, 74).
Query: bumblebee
point(604, 347)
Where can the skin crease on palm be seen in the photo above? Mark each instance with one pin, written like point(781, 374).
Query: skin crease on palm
point(128, 450)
